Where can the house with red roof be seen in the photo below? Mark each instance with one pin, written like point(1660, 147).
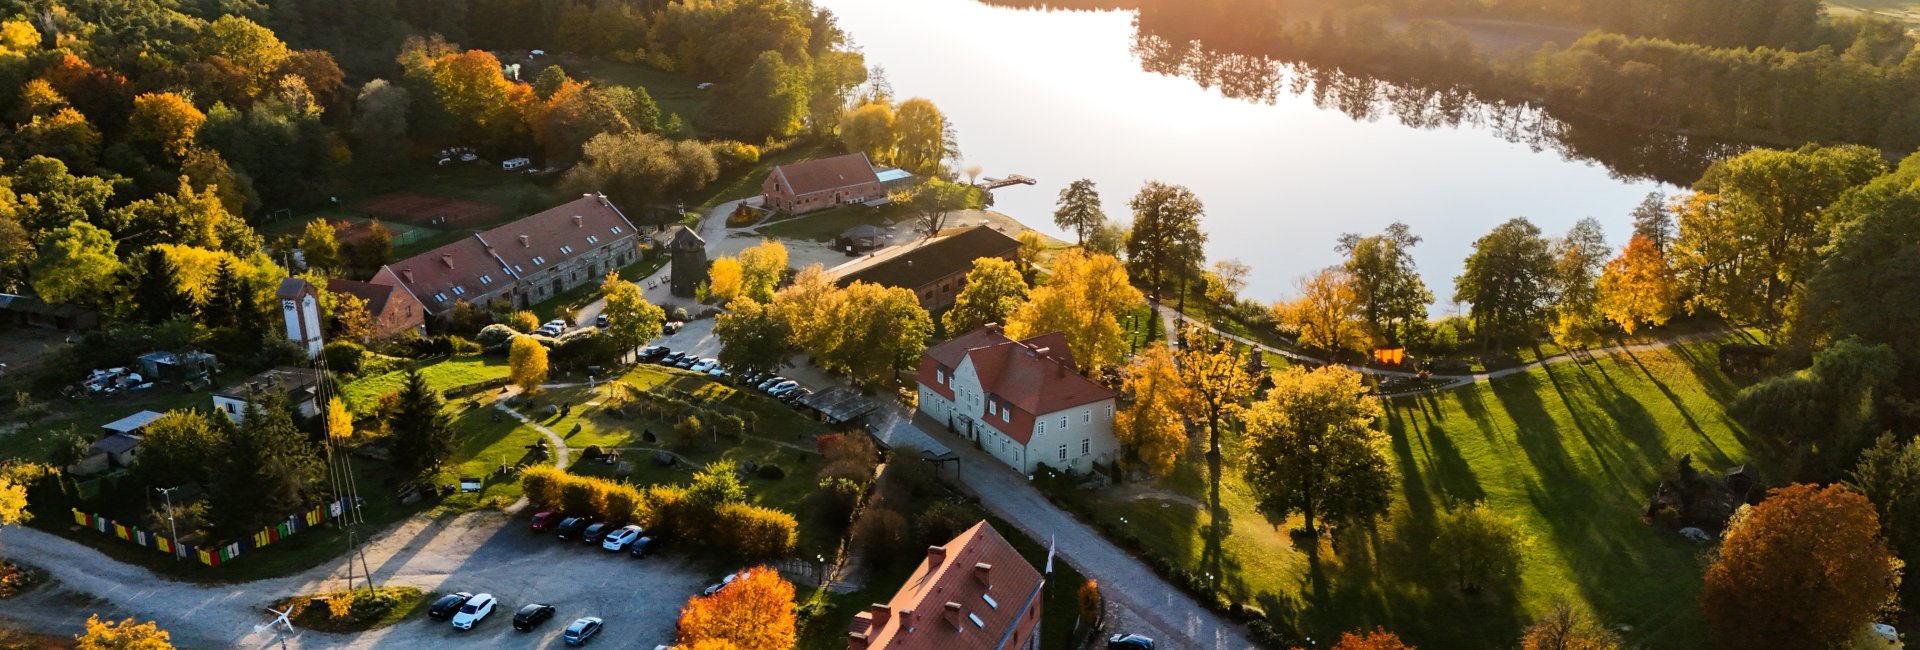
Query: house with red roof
point(802, 187)
point(391, 311)
point(974, 592)
point(1021, 401)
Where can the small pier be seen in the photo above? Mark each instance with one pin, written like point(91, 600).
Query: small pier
point(990, 183)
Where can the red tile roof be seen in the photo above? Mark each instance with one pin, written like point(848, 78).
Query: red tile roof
point(826, 174)
point(376, 295)
point(960, 578)
point(481, 263)
point(1035, 376)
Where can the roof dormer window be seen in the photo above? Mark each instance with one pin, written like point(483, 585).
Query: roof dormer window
point(566, 250)
point(616, 230)
point(593, 239)
point(486, 279)
point(537, 260)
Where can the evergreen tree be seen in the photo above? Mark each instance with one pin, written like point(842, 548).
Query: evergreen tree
point(227, 302)
point(270, 466)
point(156, 291)
point(420, 435)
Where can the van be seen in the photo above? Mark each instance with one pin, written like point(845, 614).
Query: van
point(515, 163)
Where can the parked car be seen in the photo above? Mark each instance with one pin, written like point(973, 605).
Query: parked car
point(556, 324)
point(600, 321)
point(448, 605)
point(618, 540)
point(752, 378)
point(719, 374)
point(794, 396)
point(594, 532)
point(547, 332)
point(643, 547)
point(722, 584)
point(670, 359)
point(672, 327)
point(687, 362)
point(783, 388)
point(545, 520)
point(474, 611)
point(653, 352)
point(1129, 642)
point(704, 365)
point(531, 615)
point(769, 382)
point(571, 528)
point(583, 629)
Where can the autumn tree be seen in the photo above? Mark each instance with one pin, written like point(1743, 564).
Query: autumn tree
point(726, 280)
point(1806, 568)
point(167, 121)
point(13, 502)
point(1153, 427)
point(76, 265)
point(641, 169)
point(1565, 627)
point(755, 611)
point(1032, 246)
point(1166, 237)
point(1509, 281)
point(1225, 280)
point(1327, 313)
point(808, 306)
point(1638, 288)
point(1378, 639)
point(1215, 382)
point(1385, 281)
point(1888, 474)
point(1578, 259)
point(527, 363)
point(932, 202)
point(922, 138)
point(254, 49)
point(883, 331)
point(339, 421)
point(416, 429)
point(475, 95)
point(868, 129)
point(319, 247)
point(631, 320)
point(754, 339)
point(761, 268)
point(1083, 299)
point(1477, 544)
point(1078, 210)
point(124, 635)
point(1314, 447)
point(994, 289)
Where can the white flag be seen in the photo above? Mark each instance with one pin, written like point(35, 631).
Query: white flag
point(1051, 544)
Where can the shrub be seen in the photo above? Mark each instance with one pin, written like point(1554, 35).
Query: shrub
point(733, 155)
point(943, 521)
point(344, 357)
point(495, 337)
point(542, 485)
point(754, 532)
point(666, 510)
point(881, 532)
point(459, 345)
point(523, 322)
point(838, 498)
point(679, 314)
point(770, 471)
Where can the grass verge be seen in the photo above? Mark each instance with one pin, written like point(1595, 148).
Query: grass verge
point(382, 607)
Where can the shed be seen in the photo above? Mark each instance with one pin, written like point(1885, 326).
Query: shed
point(862, 238)
point(132, 424)
point(119, 448)
point(27, 310)
point(895, 179)
point(839, 405)
point(175, 365)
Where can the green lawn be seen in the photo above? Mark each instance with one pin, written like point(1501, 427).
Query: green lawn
point(826, 225)
point(746, 182)
point(673, 93)
point(1571, 450)
point(569, 302)
point(87, 414)
point(363, 393)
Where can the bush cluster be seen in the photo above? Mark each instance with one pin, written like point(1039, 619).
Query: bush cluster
point(746, 531)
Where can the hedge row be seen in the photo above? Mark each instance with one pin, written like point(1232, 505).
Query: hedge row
point(749, 532)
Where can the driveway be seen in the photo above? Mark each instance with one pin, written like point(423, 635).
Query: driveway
point(474, 552)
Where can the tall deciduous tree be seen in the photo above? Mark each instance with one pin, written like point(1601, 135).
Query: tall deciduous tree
point(642, 168)
point(1638, 288)
point(761, 268)
point(1864, 286)
point(868, 129)
point(380, 118)
point(1328, 312)
point(807, 307)
point(753, 338)
point(1478, 544)
point(755, 611)
point(631, 320)
point(770, 101)
point(1509, 281)
point(1385, 281)
point(884, 331)
point(1166, 238)
point(124, 635)
point(994, 289)
point(1079, 209)
point(167, 121)
point(1889, 475)
point(1806, 568)
point(417, 429)
point(527, 363)
point(1083, 299)
point(1565, 628)
point(933, 201)
point(1226, 279)
point(1215, 381)
point(76, 265)
point(1578, 259)
point(1314, 447)
point(1153, 427)
point(726, 280)
point(319, 246)
point(351, 322)
point(922, 138)
point(475, 95)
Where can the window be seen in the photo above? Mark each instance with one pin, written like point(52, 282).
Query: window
point(537, 260)
point(1040, 426)
point(976, 620)
point(593, 239)
point(990, 601)
point(616, 230)
point(566, 250)
point(1109, 411)
point(229, 408)
point(440, 297)
point(991, 410)
point(1063, 452)
point(517, 269)
point(1086, 416)
point(1063, 423)
point(486, 279)
point(459, 291)
point(1006, 415)
point(940, 376)
point(1086, 446)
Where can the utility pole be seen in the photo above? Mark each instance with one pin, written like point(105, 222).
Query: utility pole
point(171, 529)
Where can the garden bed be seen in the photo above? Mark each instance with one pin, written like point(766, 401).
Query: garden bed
point(363, 610)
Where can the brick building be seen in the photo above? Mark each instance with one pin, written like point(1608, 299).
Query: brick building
point(973, 592)
point(391, 310)
point(934, 269)
point(521, 263)
point(803, 187)
point(1021, 401)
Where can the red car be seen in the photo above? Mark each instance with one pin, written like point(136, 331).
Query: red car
point(545, 521)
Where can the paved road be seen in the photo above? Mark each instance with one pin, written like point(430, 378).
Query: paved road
point(473, 552)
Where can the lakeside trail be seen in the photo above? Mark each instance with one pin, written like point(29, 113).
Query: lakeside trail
point(1173, 319)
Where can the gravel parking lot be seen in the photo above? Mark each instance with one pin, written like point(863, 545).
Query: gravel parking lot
point(479, 552)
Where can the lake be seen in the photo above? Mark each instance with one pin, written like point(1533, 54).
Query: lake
point(1285, 159)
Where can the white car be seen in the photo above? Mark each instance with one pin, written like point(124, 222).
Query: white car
point(556, 325)
point(704, 365)
point(619, 539)
point(477, 608)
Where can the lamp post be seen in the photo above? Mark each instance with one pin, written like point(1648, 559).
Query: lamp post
point(167, 493)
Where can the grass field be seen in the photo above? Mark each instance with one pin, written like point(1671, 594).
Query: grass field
point(827, 224)
point(673, 93)
point(1572, 451)
point(364, 393)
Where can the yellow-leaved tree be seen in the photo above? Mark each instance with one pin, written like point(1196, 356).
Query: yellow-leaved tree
point(339, 421)
point(994, 290)
point(1327, 313)
point(125, 635)
point(726, 280)
point(1638, 288)
point(527, 363)
point(761, 267)
point(755, 611)
point(808, 307)
point(1083, 299)
point(1153, 427)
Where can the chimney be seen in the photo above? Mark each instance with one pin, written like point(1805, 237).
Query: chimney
point(935, 556)
point(407, 274)
point(447, 259)
point(579, 221)
point(856, 641)
point(880, 615)
point(526, 242)
point(906, 620)
point(953, 614)
point(981, 572)
point(993, 327)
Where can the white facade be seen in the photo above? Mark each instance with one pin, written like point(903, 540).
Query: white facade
point(1073, 438)
point(302, 318)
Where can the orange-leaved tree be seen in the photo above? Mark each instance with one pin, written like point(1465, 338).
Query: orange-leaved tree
point(1805, 568)
point(1378, 639)
point(755, 611)
point(125, 635)
point(1154, 426)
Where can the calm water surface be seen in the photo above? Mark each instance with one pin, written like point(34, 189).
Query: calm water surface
point(1061, 95)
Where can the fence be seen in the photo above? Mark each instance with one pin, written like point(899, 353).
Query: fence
point(216, 554)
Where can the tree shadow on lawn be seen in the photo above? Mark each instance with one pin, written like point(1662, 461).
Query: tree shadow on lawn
point(1389, 576)
point(1447, 472)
